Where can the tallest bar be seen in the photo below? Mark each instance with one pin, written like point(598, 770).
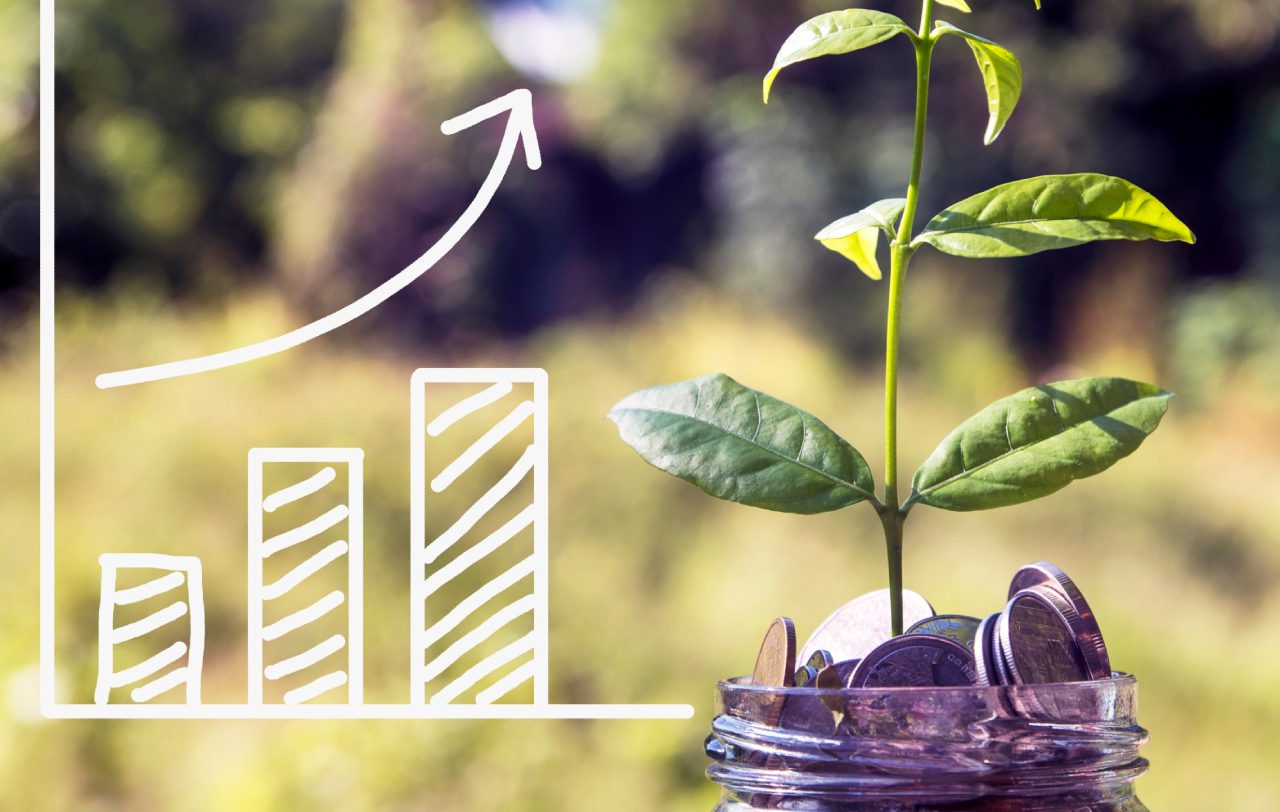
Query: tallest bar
point(478, 535)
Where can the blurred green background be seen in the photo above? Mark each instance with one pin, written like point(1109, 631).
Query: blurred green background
point(228, 171)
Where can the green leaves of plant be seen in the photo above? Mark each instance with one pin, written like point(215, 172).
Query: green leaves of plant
point(837, 32)
point(1038, 441)
point(956, 4)
point(1001, 76)
point(1054, 211)
point(742, 445)
point(857, 236)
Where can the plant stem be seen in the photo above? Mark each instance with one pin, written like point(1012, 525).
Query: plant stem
point(893, 520)
point(924, 60)
point(898, 264)
point(892, 517)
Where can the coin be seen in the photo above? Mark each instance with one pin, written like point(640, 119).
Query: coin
point(1084, 625)
point(1000, 649)
point(915, 660)
point(776, 662)
point(862, 624)
point(984, 652)
point(808, 673)
point(1037, 639)
point(820, 660)
point(960, 628)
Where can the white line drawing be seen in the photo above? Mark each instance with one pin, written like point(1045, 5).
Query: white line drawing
point(518, 105)
point(427, 578)
point(351, 511)
point(482, 446)
point(181, 570)
point(48, 434)
point(140, 678)
point(369, 711)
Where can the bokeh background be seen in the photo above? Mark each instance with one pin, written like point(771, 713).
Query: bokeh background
point(229, 170)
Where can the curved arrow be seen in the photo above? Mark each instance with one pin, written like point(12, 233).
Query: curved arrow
point(519, 106)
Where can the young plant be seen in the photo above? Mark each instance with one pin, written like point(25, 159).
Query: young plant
point(745, 446)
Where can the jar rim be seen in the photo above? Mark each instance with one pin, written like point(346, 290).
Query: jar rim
point(743, 684)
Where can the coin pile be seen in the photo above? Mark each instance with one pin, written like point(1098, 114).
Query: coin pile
point(1046, 633)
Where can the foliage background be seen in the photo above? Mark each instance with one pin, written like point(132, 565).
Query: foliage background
point(229, 170)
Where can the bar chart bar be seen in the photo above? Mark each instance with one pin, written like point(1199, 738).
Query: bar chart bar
point(165, 592)
point(478, 535)
point(306, 520)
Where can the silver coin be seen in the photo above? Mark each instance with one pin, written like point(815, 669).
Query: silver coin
point(862, 624)
point(984, 652)
point(1038, 641)
point(1000, 648)
point(1084, 625)
point(960, 628)
point(776, 662)
point(915, 660)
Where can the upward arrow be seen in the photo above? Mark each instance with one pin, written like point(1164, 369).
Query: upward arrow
point(518, 104)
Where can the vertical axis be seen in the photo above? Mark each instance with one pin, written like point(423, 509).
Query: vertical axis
point(195, 607)
point(541, 554)
point(48, 683)
point(417, 538)
point(355, 578)
point(256, 462)
point(106, 624)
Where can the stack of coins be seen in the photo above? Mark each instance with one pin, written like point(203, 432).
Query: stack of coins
point(1046, 633)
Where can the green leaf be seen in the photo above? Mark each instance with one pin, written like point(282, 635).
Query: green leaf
point(742, 445)
point(956, 4)
point(1054, 211)
point(1038, 441)
point(1001, 76)
point(837, 32)
point(857, 236)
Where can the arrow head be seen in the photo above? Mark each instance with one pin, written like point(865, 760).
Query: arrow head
point(519, 105)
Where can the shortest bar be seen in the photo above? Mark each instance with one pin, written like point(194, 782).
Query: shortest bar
point(168, 666)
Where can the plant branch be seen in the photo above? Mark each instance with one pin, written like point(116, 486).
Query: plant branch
point(923, 45)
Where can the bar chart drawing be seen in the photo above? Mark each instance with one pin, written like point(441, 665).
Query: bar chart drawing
point(150, 625)
point(294, 583)
point(477, 527)
point(478, 578)
point(495, 628)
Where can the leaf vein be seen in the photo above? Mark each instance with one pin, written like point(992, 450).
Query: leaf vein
point(1037, 221)
point(759, 417)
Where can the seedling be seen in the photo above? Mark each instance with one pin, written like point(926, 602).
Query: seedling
point(745, 446)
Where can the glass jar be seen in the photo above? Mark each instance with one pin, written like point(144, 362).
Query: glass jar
point(1063, 746)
